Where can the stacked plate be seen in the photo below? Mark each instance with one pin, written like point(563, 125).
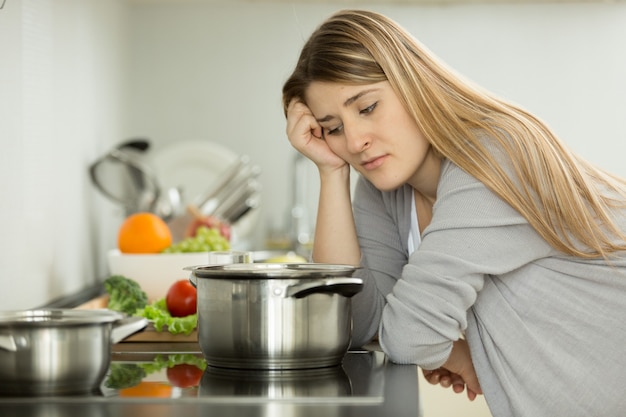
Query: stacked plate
point(213, 179)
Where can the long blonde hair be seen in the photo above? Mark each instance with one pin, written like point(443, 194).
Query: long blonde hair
point(565, 199)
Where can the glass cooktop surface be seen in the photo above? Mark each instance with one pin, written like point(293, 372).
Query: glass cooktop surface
point(186, 377)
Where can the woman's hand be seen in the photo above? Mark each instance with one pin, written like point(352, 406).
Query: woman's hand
point(335, 238)
point(305, 134)
point(458, 372)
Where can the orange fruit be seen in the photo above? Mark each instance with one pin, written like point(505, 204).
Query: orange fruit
point(143, 233)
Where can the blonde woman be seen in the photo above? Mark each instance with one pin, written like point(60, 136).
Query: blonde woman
point(492, 256)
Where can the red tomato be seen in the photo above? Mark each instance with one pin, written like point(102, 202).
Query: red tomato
point(184, 375)
point(181, 298)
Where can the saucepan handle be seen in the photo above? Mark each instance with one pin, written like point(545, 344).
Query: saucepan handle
point(126, 327)
point(7, 342)
point(346, 286)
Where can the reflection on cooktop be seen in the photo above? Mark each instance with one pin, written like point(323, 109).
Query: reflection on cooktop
point(186, 378)
point(360, 379)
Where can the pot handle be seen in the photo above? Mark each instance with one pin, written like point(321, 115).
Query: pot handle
point(345, 286)
point(126, 327)
point(7, 342)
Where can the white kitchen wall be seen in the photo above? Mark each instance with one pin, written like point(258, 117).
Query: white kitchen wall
point(212, 71)
point(60, 77)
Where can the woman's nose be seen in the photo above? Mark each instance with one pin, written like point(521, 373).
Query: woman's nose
point(357, 139)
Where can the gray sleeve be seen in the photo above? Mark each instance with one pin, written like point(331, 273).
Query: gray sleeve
point(383, 254)
point(473, 233)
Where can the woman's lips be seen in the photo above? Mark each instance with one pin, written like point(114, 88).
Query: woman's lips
point(374, 163)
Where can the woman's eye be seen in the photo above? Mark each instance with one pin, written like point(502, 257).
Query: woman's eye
point(369, 109)
point(334, 131)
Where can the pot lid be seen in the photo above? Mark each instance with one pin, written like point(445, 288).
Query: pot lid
point(56, 317)
point(272, 270)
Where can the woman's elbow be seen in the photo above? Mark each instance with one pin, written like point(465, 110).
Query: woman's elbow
point(362, 335)
point(403, 349)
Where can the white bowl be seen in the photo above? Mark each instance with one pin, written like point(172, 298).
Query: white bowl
point(155, 273)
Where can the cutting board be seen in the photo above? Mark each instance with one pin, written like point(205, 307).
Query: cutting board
point(149, 334)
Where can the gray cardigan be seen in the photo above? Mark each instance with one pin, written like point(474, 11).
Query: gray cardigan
point(547, 332)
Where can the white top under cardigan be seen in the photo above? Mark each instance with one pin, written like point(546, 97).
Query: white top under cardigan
point(414, 233)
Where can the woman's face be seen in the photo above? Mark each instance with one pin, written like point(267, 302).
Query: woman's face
point(369, 128)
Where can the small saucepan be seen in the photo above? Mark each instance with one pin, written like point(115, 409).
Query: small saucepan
point(59, 351)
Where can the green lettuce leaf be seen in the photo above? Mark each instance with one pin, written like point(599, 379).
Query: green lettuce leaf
point(157, 313)
point(171, 360)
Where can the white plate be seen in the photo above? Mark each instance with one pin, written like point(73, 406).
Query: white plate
point(195, 166)
point(191, 165)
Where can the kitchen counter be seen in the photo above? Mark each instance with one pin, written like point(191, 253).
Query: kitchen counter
point(366, 384)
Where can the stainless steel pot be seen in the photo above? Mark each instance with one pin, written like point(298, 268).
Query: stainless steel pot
point(59, 351)
point(274, 316)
